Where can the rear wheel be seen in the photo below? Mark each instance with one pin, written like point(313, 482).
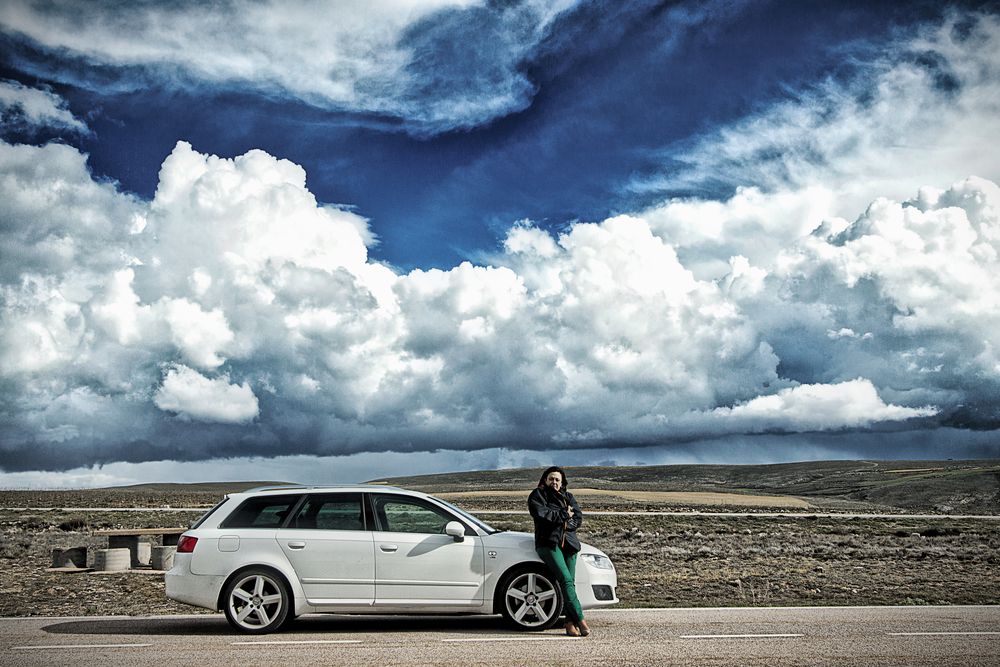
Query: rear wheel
point(257, 601)
point(531, 600)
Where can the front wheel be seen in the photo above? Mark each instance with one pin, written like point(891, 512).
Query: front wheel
point(531, 600)
point(257, 601)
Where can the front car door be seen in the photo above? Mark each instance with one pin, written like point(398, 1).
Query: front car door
point(332, 552)
point(416, 563)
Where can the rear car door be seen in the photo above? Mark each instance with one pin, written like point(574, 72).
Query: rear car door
point(331, 550)
point(416, 563)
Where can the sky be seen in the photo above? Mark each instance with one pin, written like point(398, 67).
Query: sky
point(335, 242)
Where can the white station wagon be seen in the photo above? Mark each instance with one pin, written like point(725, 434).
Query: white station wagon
point(268, 555)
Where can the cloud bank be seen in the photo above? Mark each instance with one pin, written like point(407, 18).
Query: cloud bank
point(235, 314)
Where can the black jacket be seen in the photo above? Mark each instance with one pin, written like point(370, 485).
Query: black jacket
point(552, 521)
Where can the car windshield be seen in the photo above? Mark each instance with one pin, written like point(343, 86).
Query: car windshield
point(485, 526)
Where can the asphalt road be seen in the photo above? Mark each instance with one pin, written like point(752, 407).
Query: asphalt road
point(938, 636)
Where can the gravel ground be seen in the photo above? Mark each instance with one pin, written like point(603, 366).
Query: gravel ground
point(661, 561)
point(27, 588)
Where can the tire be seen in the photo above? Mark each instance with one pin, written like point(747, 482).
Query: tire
point(531, 599)
point(257, 601)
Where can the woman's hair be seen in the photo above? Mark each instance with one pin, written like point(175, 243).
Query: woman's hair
point(551, 469)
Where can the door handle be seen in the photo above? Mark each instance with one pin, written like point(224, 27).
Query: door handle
point(388, 548)
point(296, 545)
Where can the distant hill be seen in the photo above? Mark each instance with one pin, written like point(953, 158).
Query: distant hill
point(940, 487)
point(199, 494)
point(220, 488)
point(949, 487)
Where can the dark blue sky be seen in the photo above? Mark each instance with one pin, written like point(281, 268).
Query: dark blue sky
point(615, 89)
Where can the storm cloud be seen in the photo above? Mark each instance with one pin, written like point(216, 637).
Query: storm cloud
point(234, 313)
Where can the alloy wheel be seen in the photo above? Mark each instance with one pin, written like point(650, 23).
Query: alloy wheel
point(531, 600)
point(256, 603)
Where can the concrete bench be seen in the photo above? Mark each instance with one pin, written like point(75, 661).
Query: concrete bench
point(141, 552)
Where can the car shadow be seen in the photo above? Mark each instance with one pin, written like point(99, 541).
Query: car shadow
point(187, 625)
point(310, 624)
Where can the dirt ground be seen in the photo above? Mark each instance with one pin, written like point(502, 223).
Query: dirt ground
point(662, 561)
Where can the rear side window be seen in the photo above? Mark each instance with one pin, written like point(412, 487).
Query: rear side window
point(204, 517)
point(332, 511)
point(261, 512)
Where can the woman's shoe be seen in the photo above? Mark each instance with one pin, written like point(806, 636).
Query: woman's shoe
point(572, 630)
point(584, 628)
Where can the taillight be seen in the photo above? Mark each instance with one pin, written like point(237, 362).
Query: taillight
point(185, 545)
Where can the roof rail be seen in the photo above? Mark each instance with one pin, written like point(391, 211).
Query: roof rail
point(303, 487)
point(280, 487)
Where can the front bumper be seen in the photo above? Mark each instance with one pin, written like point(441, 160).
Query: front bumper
point(596, 587)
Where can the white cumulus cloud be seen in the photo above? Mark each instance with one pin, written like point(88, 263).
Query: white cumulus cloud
point(190, 394)
point(924, 113)
point(201, 336)
point(812, 407)
point(934, 261)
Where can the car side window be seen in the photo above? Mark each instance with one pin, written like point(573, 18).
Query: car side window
point(204, 517)
point(399, 514)
point(335, 511)
point(261, 512)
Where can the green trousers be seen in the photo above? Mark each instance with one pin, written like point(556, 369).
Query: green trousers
point(563, 566)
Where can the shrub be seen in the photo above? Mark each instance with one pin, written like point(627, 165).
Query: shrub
point(73, 525)
point(940, 532)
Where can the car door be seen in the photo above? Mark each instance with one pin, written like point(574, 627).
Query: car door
point(332, 552)
point(416, 563)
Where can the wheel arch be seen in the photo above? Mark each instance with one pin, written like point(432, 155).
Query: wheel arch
point(220, 602)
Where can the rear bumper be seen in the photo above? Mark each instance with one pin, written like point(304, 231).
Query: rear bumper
point(200, 590)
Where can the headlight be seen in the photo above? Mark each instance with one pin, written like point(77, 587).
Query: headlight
point(598, 561)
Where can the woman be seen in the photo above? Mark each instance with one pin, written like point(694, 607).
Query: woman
point(557, 516)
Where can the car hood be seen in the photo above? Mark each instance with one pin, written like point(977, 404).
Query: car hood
point(525, 541)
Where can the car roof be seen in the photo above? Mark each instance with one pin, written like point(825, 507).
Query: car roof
point(302, 488)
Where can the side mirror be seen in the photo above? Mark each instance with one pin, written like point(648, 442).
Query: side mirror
point(456, 530)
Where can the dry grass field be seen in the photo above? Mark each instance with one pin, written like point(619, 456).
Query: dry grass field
point(672, 560)
point(887, 487)
point(483, 499)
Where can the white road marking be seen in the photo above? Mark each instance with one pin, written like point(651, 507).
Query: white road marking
point(58, 646)
point(511, 639)
point(937, 634)
point(293, 641)
point(625, 610)
point(771, 636)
